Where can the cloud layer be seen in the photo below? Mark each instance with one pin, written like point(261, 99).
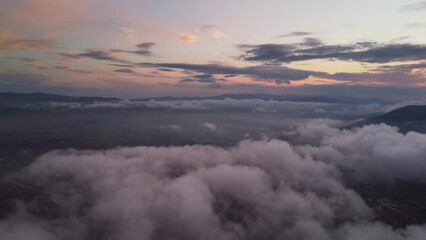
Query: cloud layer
point(314, 49)
point(316, 109)
point(256, 190)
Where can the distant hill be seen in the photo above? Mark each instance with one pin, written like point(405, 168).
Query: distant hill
point(408, 118)
point(13, 99)
point(407, 113)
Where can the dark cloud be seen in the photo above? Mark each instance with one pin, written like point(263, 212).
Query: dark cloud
point(311, 42)
point(143, 52)
point(313, 49)
point(295, 34)
point(146, 45)
point(166, 69)
point(98, 55)
point(398, 74)
point(407, 68)
point(308, 49)
point(125, 70)
point(71, 69)
point(26, 44)
point(105, 55)
point(109, 54)
point(123, 65)
point(415, 6)
point(138, 52)
point(203, 78)
point(216, 85)
point(265, 73)
point(93, 54)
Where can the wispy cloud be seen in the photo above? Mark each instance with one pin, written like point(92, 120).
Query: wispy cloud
point(23, 59)
point(208, 28)
point(110, 54)
point(415, 6)
point(125, 70)
point(295, 34)
point(70, 68)
point(131, 34)
point(127, 30)
point(276, 74)
point(285, 75)
point(93, 54)
point(416, 25)
point(146, 45)
point(203, 78)
point(210, 126)
point(213, 30)
point(26, 44)
point(219, 34)
point(189, 39)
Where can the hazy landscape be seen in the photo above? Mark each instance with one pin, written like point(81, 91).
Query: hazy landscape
point(212, 120)
point(240, 166)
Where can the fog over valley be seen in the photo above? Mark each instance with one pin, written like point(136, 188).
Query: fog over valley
point(210, 168)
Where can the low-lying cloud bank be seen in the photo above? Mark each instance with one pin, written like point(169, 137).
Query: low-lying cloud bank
point(252, 105)
point(256, 190)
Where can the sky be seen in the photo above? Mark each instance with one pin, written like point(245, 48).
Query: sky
point(146, 48)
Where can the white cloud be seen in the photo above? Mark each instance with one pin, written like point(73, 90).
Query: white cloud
point(175, 127)
point(375, 151)
point(219, 34)
point(131, 34)
point(256, 190)
point(127, 30)
point(210, 126)
point(188, 38)
point(213, 30)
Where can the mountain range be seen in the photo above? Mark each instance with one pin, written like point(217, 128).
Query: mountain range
point(34, 98)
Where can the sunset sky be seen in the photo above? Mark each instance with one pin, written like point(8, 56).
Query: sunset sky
point(144, 48)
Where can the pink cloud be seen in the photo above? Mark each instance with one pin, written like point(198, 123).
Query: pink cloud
point(213, 30)
point(189, 39)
